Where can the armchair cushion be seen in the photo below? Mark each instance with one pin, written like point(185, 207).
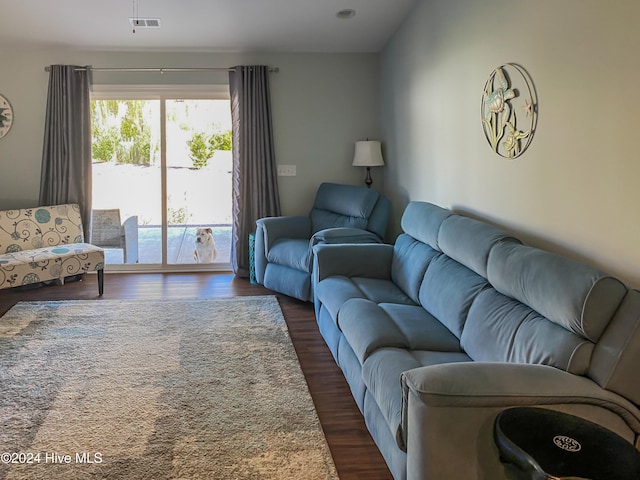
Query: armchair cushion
point(343, 235)
point(342, 206)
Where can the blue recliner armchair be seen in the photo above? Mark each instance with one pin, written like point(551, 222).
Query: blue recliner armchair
point(340, 214)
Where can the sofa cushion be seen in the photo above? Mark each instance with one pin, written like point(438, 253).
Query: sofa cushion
point(421, 330)
point(381, 291)
point(290, 252)
point(500, 329)
point(447, 291)
point(332, 292)
point(469, 241)
point(49, 263)
point(368, 326)
point(380, 217)
point(410, 261)
point(381, 374)
point(576, 296)
point(422, 221)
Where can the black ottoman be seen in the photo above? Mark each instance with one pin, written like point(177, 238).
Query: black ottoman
point(544, 444)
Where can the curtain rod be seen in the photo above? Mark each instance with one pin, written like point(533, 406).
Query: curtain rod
point(159, 70)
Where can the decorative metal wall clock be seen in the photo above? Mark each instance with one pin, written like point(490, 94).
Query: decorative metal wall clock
point(6, 116)
point(509, 110)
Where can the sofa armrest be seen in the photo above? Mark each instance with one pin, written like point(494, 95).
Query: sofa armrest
point(339, 235)
point(472, 384)
point(449, 410)
point(353, 260)
point(269, 230)
point(274, 228)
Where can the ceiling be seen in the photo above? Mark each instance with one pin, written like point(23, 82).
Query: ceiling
point(203, 25)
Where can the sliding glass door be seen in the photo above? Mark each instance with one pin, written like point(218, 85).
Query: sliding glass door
point(162, 178)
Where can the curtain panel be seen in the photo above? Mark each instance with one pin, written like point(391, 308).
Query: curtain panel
point(66, 153)
point(255, 185)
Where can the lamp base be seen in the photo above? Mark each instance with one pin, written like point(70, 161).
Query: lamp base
point(368, 181)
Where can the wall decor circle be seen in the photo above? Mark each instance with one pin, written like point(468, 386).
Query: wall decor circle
point(6, 116)
point(509, 110)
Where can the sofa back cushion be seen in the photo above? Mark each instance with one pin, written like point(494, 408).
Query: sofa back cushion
point(448, 291)
point(572, 295)
point(542, 309)
point(441, 260)
point(40, 227)
point(342, 206)
point(422, 221)
point(469, 241)
point(508, 302)
point(409, 264)
point(414, 249)
point(380, 217)
point(501, 329)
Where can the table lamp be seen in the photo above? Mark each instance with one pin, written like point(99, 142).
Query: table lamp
point(368, 154)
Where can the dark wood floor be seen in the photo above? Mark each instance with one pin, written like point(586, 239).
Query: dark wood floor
point(354, 453)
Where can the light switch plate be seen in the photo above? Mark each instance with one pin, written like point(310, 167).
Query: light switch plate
point(286, 170)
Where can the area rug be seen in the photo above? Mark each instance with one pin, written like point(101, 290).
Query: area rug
point(194, 389)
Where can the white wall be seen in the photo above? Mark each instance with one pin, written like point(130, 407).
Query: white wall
point(322, 104)
point(576, 189)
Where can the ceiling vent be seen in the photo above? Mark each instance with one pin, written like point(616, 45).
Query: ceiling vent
point(139, 22)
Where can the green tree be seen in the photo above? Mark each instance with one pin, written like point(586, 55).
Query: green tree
point(203, 148)
point(136, 135)
point(199, 152)
point(105, 144)
point(119, 131)
point(105, 138)
point(221, 141)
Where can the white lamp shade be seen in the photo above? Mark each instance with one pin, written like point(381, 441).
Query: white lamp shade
point(368, 154)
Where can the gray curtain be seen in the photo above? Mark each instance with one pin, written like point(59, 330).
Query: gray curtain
point(66, 153)
point(255, 185)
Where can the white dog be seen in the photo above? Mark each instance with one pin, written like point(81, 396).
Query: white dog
point(205, 251)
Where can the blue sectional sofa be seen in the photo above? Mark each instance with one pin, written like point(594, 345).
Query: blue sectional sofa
point(457, 321)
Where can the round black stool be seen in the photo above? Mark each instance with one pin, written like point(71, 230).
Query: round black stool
point(544, 444)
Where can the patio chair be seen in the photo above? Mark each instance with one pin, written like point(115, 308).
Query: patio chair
point(341, 214)
point(107, 231)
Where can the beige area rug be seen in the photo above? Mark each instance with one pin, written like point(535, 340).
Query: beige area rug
point(194, 389)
